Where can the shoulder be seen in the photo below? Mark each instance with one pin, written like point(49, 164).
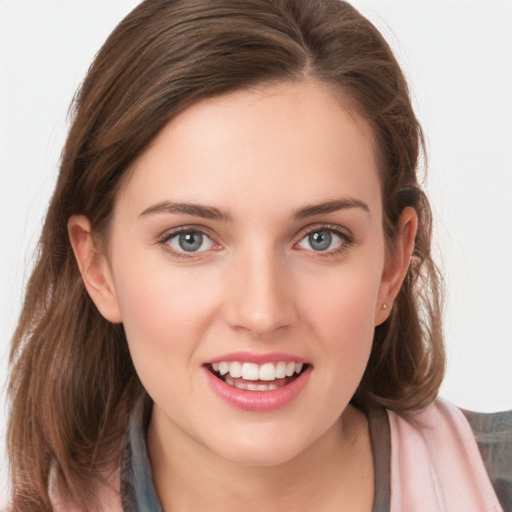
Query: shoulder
point(493, 435)
point(490, 428)
point(441, 453)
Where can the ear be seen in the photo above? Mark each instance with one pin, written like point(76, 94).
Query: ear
point(94, 267)
point(396, 264)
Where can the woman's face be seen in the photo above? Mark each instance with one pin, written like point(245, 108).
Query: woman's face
point(249, 239)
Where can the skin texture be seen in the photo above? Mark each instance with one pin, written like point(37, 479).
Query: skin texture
point(256, 284)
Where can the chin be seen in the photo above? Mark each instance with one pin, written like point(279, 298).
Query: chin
point(256, 456)
point(258, 449)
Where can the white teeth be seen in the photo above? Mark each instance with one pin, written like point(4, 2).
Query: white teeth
point(235, 369)
point(281, 370)
point(250, 386)
point(250, 371)
point(223, 367)
point(267, 372)
point(253, 371)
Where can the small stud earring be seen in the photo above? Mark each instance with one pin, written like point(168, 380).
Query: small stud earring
point(384, 306)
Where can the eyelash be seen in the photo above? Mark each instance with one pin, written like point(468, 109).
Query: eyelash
point(347, 240)
point(169, 235)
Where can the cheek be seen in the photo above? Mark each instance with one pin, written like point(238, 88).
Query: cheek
point(163, 317)
point(346, 326)
point(341, 316)
point(344, 304)
point(163, 309)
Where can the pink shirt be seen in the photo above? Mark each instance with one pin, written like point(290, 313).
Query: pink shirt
point(436, 465)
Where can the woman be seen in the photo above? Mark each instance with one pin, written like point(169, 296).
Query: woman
point(235, 291)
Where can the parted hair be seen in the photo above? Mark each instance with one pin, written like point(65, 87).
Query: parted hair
point(72, 382)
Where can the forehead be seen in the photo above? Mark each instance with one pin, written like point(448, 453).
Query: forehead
point(282, 144)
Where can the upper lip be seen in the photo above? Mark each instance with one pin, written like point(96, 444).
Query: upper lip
point(257, 358)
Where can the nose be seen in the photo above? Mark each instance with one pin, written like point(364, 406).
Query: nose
point(259, 295)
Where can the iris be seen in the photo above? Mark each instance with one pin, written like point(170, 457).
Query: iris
point(320, 240)
point(190, 242)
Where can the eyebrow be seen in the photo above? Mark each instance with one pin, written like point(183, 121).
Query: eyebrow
point(198, 210)
point(211, 212)
point(330, 207)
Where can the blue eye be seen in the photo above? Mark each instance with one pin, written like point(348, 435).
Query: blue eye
point(190, 241)
point(322, 240)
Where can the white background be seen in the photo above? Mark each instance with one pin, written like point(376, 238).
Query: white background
point(458, 58)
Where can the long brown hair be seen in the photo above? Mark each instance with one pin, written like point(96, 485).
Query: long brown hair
point(72, 380)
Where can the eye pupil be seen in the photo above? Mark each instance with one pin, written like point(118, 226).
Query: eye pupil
point(190, 242)
point(320, 240)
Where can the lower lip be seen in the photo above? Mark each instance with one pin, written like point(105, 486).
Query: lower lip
point(258, 401)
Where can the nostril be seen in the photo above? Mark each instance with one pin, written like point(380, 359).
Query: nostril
point(261, 308)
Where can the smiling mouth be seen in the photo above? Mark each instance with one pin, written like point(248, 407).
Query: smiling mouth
point(255, 377)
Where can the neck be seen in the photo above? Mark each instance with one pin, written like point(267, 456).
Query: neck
point(334, 473)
